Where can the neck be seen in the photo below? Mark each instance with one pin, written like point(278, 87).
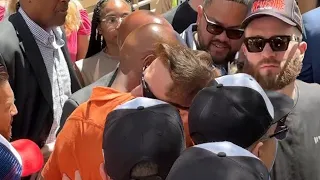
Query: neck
point(195, 3)
point(112, 50)
point(289, 90)
point(125, 83)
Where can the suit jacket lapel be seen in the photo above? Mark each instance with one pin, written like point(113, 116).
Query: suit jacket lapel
point(33, 55)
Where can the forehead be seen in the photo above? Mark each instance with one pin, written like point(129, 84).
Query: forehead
point(228, 13)
point(114, 6)
point(268, 26)
point(5, 92)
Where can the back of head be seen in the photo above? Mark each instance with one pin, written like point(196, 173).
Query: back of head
point(235, 108)
point(220, 160)
point(141, 43)
point(142, 138)
point(136, 20)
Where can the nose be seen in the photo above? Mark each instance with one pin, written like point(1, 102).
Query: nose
point(222, 37)
point(14, 110)
point(267, 52)
point(119, 23)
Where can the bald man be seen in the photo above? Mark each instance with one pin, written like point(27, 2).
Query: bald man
point(79, 144)
point(131, 22)
point(138, 19)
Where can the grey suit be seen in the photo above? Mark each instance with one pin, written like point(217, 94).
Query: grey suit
point(83, 95)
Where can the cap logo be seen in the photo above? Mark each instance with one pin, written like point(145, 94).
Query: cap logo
point(268, 4)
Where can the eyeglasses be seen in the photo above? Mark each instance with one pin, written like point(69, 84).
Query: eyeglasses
point(216, 29)
point(149, 94)
point(113, 20)
point(277, 43)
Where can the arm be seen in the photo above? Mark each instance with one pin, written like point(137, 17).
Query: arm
point(83, 35)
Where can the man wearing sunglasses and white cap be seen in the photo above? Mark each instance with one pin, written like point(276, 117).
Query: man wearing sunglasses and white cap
point(274, 50)
point(218, 30)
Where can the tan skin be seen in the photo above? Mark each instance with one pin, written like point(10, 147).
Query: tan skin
point(136, 20)
point(46, 13)
point(112, 14)
point(227, 14)
point(134, 54)
point(267, 27)
point(7, 109)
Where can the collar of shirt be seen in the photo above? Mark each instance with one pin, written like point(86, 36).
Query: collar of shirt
point(52, 37)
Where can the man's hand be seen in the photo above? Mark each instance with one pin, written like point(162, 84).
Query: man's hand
point(47, 150)
point(76, 176)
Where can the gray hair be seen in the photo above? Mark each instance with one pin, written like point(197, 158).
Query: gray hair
point(3, 74)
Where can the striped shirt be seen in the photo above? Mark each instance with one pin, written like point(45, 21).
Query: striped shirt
point(50, 43)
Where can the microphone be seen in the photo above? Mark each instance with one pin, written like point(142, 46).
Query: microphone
point(19, 159)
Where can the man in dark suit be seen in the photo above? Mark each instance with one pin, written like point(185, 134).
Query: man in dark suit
point(33, 49)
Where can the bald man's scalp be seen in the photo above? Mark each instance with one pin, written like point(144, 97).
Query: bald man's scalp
point(137, 19)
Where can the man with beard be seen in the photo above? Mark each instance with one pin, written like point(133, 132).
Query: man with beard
point(274, 50)
point(218, 30)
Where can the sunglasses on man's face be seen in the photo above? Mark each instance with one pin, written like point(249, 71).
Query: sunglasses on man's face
point(146, 92)
point(216, 29)
point(277, 43)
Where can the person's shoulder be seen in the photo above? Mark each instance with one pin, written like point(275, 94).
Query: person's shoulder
point(169, 15)
point(309, 90)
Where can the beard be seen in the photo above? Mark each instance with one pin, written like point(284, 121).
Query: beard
point(270, 81)
point(230, 56)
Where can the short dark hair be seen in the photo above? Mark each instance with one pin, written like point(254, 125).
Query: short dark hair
point(3, 74)
point(145, 169)
point(207, 3)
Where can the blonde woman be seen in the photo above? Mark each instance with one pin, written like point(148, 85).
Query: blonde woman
point(78, 28)
point(7, 7)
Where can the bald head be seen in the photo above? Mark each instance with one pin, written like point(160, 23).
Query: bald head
point(136, 20)
point(140, 44)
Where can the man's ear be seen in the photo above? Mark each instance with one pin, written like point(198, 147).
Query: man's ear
point(256, 150)
point(148, 60)
point(200, 14)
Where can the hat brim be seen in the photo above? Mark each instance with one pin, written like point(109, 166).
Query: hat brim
point(261, 14)
point(282, 104)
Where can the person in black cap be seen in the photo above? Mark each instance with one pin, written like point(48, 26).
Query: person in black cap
point(236, 109)
point(218, 161)
point(274, 52)
point(142, 139)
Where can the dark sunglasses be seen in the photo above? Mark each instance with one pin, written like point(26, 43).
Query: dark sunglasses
point(277, 43)
point(148, 93)
point(216, 29)
point(281, 130)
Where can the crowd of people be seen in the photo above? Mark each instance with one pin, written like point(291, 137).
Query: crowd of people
point(211, 89)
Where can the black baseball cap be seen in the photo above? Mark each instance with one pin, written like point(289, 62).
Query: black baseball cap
point(236, 109)
point(219, 161)
point(142, 130)
point(286, 10)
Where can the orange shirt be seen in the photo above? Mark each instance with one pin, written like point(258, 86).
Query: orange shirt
point(79, 144)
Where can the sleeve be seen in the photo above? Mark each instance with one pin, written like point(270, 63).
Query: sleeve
point(69, 106)
point(85, 26)
point(62, 159)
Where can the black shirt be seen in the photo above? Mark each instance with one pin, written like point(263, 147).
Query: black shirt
point(181, 17)
point(298, 155)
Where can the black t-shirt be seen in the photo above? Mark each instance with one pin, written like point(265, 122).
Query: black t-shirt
point(298, 155)
point(181, 17)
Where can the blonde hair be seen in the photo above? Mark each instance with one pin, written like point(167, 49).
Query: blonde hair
point(73, 18)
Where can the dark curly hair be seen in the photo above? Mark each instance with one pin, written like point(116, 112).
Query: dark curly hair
point(96, 42)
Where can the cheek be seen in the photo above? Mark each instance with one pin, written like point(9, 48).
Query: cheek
point(253, 59)
point(236, 44)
